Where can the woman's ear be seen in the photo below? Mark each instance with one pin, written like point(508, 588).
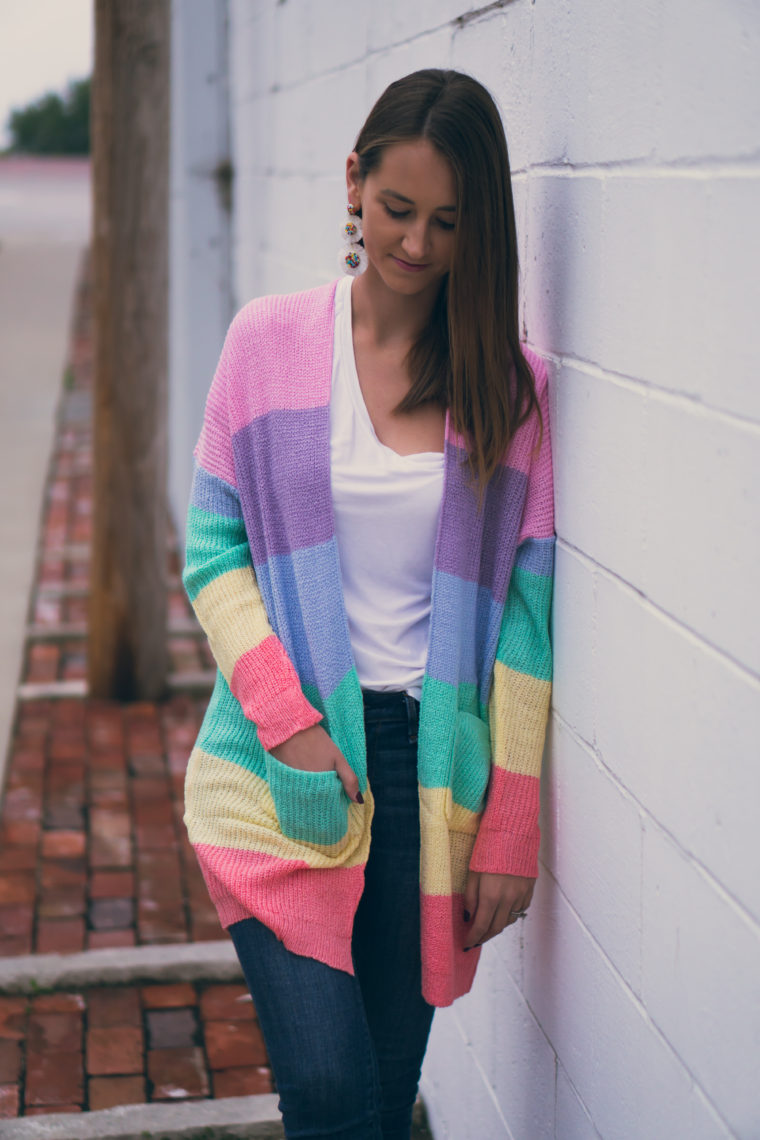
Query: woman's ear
point(353, 182)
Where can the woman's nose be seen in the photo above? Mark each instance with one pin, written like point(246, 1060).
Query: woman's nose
point(415, 241)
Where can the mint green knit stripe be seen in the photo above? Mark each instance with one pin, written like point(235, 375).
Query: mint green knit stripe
point(344, 719)
point(227, 733)
point(524, 644)
point(441, 702)
point(215, 544)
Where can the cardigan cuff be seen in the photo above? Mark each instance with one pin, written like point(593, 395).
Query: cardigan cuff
point(288, 714)
point(506, 853)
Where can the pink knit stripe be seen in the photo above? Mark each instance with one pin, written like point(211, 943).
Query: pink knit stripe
point(298, 369)
point(447, 971)
point(538, 515)
point(310, 909)
point(213, 450)
point(270, 694)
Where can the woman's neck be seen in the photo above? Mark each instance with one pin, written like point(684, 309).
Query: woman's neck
point(387, 318)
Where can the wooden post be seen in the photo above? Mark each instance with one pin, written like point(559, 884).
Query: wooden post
point(128, 654)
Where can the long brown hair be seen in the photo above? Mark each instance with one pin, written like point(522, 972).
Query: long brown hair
point(469, 358)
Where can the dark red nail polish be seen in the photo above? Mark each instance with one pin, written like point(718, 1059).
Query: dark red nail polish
point(467, 916)
point(359, 798)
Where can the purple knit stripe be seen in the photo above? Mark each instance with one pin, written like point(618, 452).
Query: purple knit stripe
point(467, 549)
point(278, 458)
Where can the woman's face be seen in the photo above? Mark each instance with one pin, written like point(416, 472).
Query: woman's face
point(408, 206)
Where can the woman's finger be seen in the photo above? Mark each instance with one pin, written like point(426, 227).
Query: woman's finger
point(470, 901)
point(348, 778)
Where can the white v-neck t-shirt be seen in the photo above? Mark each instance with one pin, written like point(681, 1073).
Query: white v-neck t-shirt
point(386, 510)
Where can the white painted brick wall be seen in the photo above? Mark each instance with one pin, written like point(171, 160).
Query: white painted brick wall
point(626, 1005)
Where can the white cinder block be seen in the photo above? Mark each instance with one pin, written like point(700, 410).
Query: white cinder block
point(572, 1120)
point(655, 320)
point(333, 108)
point(288, 39)
point(459, 1104)
point(252, 137)
point(291, 149)
point(700, 956)
point(709, 97)
point(394, 22)
point(598, 866)
point(497, 51)
point(597, 80)
point(563, 267)
point(598, 442)
point(293, 206)
point(573, 616)
point(551, 76)
point(631, 1081)
point(253, 49)
point(731, 289)
point(701, 484)
point(678, 725)
point(338, 34)
point(514, 1058)
point(680, 289)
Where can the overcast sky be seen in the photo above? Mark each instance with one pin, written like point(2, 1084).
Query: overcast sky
point(43, 44)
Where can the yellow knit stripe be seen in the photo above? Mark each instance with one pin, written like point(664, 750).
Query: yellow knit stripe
point(226, 805)
point(232, 603)
point(518, 710)
point(447, 840)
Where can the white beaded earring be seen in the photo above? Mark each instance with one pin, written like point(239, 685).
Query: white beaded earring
point(353, 256)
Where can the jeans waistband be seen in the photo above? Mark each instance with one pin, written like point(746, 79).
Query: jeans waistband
point(393, 705)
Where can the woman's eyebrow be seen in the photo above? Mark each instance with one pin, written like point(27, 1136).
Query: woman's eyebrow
point(402, 198)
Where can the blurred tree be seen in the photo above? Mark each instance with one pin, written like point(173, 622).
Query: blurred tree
point(54, 125)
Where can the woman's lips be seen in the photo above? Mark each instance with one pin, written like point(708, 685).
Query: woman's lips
point(408, 266)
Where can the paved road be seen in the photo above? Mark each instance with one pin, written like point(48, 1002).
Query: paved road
point(44, 227)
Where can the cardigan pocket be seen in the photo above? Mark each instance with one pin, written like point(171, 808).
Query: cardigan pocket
point(311, 807)
point(471, 762)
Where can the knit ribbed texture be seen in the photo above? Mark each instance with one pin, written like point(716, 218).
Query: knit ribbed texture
point(262, 573)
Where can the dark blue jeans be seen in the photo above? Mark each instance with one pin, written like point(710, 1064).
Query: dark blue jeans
point(346, 1051)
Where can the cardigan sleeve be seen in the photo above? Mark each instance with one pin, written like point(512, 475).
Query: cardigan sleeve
point(220, 581)
point(509, 835)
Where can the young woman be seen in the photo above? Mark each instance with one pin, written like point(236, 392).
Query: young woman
point(370, 551)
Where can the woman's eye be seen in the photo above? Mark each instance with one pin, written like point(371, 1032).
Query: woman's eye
point(445, 225)
point(396, 213)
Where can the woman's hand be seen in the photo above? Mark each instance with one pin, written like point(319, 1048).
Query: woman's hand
point(489, 899)
point(312, 750)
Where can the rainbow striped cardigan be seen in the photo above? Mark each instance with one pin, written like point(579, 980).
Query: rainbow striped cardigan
point(263, 576)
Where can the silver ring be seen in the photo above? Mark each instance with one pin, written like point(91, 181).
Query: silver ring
point(518, 913)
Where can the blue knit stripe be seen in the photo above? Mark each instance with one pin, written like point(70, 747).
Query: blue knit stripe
point(536, 555)
point(459, 608)
point(302, 591)
point(210, 493)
